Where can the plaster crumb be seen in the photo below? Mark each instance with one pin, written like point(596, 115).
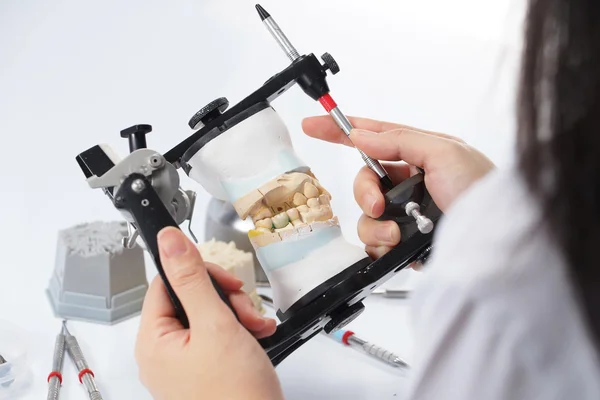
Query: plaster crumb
point(94, 238)
point(224, 254)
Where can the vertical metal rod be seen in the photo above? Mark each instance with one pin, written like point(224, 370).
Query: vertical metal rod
point(86, 375)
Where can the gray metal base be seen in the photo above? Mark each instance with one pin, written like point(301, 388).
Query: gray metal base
point(95, 278)
point(125, 305)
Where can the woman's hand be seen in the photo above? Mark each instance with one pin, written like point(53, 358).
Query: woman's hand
point(217, 357)
point(450, 165)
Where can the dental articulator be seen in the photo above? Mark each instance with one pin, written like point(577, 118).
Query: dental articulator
point(244, 155)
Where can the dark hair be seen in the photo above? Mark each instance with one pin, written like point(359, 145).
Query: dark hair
point(559, 135)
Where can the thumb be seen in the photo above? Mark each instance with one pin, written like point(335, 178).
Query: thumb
point(186, 272)
point(413, 147)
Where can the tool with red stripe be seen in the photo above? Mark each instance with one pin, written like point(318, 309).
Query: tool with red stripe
point(55, 376)
point(326, 100)
point(348, 338)
point(86, 376)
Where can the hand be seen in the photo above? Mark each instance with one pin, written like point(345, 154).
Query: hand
point(217, 357)
point(450, 166)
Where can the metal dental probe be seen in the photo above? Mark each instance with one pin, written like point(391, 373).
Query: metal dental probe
point(326, 101)
point(86, 376)
point(392, 293)
point(348, 338)
point(55, 376)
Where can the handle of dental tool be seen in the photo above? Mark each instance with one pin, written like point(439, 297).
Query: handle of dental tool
point(86, 375)
point(348, 338)
point(346, 126)
point(151, 216)
point(55, 376)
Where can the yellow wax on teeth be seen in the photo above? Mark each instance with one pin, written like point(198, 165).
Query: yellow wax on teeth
point(254, 233)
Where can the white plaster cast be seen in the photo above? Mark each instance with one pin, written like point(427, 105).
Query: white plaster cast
point(244, 157)
point(249, 155)
point(292, 282)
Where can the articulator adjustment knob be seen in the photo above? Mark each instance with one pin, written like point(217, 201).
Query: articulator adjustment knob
point(136, 135)
point(209, 112)
point(330, 64)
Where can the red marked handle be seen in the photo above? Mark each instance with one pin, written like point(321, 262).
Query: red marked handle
point(327, 102)
point(55, 374)
point(347, 334)
point(83, 372)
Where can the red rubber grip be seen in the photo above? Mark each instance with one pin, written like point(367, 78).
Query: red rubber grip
point(55, 374)
point(83, 372)
point(327, 102)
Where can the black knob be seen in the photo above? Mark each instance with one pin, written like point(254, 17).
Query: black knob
point(209, 112)
point(330, 63)
point(136, 135)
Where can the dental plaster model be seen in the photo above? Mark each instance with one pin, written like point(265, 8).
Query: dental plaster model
point(239, 263)
point(95, 278)
point(297, 239)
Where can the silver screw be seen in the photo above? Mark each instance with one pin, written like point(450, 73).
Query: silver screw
point(137, 185)
point(424, 224)
point(156, 160)
point(145, 202)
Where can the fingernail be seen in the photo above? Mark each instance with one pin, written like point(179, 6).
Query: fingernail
point(384, 233)
point(172, 243)
point(371, 201)
point(259, 316)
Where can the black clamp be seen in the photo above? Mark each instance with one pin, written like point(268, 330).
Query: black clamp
point(330, 64)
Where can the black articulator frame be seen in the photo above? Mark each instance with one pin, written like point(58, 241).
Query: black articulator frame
point(334, 303)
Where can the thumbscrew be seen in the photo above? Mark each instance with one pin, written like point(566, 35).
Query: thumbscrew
point(424, 224)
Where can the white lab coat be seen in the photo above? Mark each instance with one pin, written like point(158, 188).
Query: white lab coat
point(494, 317)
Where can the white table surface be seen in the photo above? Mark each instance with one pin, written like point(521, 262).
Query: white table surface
point(320, 369)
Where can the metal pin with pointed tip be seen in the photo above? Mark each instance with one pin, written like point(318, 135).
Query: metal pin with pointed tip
point(348, 338)
point(392, 293)
point(327, 101)
point(55, 376)
point(277, 33)
point(86, 376)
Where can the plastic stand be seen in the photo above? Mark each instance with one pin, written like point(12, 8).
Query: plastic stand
point(95, 278)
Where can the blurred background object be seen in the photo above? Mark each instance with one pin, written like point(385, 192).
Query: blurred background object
point(223, 224)
point(239, 262)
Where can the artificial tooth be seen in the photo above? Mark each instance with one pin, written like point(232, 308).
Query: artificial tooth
point(310, 190)
point(264, 230)
point(265, 223)
point(264, 239)
point(285, 228)
point(324, 214)
point(293, 214)
point(302, 209)
point(324, 199)
point(263, 213)
point(297, 223)
point(313, 202)
point(280, 220)
point(308, 216)
point(299, 199)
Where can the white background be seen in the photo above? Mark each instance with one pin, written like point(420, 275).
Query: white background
point(74, 73)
